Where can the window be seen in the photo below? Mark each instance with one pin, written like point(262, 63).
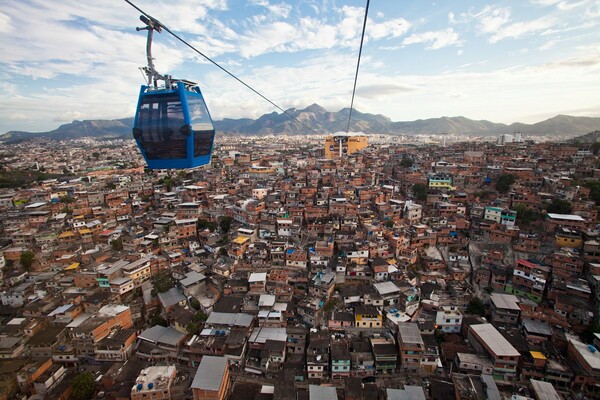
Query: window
point(160, 119)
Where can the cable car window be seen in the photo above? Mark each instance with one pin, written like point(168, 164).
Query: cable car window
point(204, 131)
point(203, 141)
point(160, 119)
point(199, 117)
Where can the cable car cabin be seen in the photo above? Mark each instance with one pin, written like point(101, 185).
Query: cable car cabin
point(173, 128)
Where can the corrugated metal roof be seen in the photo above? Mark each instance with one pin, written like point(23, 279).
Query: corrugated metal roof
point(316, 392)
point(229, 319)
point(210, 373)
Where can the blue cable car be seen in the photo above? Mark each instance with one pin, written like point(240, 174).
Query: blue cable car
point(173, 128)
point(172, 125)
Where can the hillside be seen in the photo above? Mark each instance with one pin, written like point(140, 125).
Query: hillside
point(316, 119)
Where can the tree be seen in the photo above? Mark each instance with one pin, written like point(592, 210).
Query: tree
point(504, 182)
point(559, 206)
point(163, 283)
point(594, 187)
point(420, 191)
point(204, 224)
point(117, 244)
point(157, 319)
point(194, 303)
point(200, 317)
point(95, 154)
point(192, 328)
point(225, 223)
point(84, 386)
point(330, 305)
point(526, 215)
point(406, 162)
point(476, 306)
point(27, 258)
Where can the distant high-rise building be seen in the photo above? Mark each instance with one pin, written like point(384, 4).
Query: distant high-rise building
point(342, 143)
point(504, 139)
point(518, 137)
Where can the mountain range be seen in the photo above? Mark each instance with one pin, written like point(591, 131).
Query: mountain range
point(316, 119)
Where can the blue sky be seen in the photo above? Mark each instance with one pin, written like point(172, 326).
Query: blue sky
point(507, 61)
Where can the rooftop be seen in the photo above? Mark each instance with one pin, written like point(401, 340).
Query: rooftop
point(210, 373)
point(494, 340)
point(154, 378)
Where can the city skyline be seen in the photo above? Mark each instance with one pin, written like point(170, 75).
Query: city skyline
point(505, 62)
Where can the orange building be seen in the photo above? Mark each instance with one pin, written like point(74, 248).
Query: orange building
point(343, 143)
point(212, 379)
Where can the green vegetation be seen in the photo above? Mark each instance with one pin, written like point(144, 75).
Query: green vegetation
point(526, 215)
point(504, 182)
point(27, 258)
point(594, 187)
point(194, 303)
point(84, 386)
point(406, 162)
point(204, 224)
point(157, 319)
point(420, 191)
point(194, 326)
point(225, 223)
point(330, 305)
point(16, 179)
point(559, 206)
point(476, 306)
point(117, 244)
point(163, 283)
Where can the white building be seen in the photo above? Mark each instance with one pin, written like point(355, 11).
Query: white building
point(449, 320)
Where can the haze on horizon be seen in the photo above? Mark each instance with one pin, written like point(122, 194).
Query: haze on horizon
point(509, 61)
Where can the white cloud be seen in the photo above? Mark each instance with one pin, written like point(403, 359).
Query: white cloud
point(279, 10)
point(391, 28)
point(435, 39)
point(545, 2)
point(5, 23)
point(492, 19)
point(519, 29)
point(451, 18)
point(496, 23)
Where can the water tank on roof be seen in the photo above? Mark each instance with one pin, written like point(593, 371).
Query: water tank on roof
point(150, 385)
point(140, 386)
point(591, 348)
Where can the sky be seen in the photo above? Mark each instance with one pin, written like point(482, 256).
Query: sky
point(504, 61)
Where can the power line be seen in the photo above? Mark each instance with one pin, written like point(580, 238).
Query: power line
point(362, 38)
point(160, 24)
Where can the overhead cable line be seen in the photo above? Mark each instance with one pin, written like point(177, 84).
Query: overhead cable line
point(362, 38)
point(161, 25)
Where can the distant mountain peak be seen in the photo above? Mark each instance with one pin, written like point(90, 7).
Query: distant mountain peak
point(315, 108)
point(317, 119)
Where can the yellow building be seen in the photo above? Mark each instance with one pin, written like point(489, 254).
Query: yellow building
point(571, 238)
point(367, 316)
point(350, 143)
